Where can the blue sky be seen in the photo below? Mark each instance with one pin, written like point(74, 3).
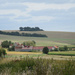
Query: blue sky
point(50, 15)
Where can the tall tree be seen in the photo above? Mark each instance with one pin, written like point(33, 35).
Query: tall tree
point(21, 28)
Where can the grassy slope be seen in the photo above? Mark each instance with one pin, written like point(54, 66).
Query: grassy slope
point(54, 38)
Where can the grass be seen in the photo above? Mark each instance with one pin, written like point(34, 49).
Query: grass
point(65, 53)
point(54, 55)
point(38, 66)
point(39, 41)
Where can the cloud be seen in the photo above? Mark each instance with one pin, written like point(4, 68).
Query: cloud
point(37, 19)
point(29, 7)
point(43, 6)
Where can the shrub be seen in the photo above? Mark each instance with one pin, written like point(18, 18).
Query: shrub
point(12, 48)
point(55, 49)
point(61, 49)
point(45, 50)
point(5, 44)
point(2, 52)
point(65, 48)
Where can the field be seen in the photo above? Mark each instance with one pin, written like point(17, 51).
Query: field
point(51, 55)
point(36, 66)
point(54, 38)
point(37, 63)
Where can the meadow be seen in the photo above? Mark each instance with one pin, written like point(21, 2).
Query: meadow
point(37, 63)
point(54, 38)
point(36, 66)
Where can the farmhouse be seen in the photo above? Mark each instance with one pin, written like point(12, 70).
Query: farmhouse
point(21, 47)
point(40, 48)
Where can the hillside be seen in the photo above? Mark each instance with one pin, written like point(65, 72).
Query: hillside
point(54, 38)
point(50, 34)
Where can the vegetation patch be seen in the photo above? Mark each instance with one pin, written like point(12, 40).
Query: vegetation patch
point(38, 66)
point(65, 53)
point(23, 34)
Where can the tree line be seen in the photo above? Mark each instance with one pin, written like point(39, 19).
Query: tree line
point(23, 34)
point(30, 29)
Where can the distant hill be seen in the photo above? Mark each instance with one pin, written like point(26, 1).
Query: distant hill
point(50, 34)
point(54, 37)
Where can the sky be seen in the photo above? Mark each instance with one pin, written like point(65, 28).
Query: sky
point(49, 15)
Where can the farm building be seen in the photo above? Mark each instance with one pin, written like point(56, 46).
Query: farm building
point(21, 47)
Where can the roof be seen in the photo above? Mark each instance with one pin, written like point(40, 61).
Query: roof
point(41, 47)
point(56, 46)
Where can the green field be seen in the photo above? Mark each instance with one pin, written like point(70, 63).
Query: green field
point(54, 38)
point(36, 66)
point(65, 53)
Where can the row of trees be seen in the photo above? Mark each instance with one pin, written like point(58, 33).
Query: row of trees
point(30, 29)
point(23, 34)
point(2, 52)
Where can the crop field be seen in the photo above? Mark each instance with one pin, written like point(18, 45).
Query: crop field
point(51, 55)
point(65, 53)
point(50, 41)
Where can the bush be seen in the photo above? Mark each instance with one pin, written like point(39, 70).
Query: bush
point(65, 48)
point(55, 49)
point(5, 44)
point(45, 50)
point(2, 52)
point(12, 48)
point(61, 49)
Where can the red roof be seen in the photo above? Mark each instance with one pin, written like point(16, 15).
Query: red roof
point(41, 47)
point(34, 48)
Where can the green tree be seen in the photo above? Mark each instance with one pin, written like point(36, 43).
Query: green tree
point(6, 44)
point(29, 43)
point(12, 48)
point(0, 52)
point(65, 48)
point(4, 52)
point(45, 50)
point(21, 28)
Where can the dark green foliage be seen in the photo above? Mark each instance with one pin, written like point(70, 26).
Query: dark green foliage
point(2, 52)
point(6, 44)
point(30, 29)
point(23, 34)
point(29, 43)
point(55, 49)
point(21, 29)
point(61, 49)
point(38, 66)
point(45, 50)
point(65, 48)
point(12, 48)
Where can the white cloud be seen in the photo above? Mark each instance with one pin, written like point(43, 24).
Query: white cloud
point(15, 12)
point(37, 18)
point(43, 6)
point(33, 7)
